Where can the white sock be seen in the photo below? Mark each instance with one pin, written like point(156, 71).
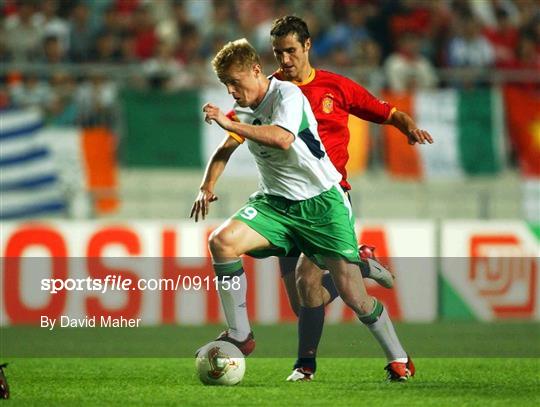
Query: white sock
point(233, 299)
point(384, 332)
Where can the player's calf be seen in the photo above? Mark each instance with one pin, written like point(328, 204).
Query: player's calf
point(350, 286)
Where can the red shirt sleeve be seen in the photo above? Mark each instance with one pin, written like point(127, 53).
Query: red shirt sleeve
point(363, 104)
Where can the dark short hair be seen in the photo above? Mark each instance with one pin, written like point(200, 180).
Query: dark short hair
point(290, 25)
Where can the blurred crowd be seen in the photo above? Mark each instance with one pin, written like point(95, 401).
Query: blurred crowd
point(71, 56)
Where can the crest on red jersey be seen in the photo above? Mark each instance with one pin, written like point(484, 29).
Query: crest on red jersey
point(328, 104)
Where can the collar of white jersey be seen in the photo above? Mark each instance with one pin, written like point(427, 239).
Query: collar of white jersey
point(271, 86)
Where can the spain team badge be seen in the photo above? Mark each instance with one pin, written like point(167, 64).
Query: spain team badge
point(328, 104)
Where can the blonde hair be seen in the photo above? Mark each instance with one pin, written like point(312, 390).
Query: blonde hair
point(238, 53)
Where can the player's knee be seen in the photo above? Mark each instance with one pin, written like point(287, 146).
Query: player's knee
point(309, 288)
point(220, 242)
point(303, 283)
point(362, 306)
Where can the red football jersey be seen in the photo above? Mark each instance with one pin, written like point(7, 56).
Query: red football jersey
point(332, 98)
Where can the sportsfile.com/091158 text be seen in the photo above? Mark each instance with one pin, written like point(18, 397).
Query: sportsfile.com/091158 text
point(118, 283)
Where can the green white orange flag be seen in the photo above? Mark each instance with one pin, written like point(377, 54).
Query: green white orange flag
point(467, 127)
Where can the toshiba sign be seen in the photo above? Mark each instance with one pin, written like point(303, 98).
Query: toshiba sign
point(161, 273)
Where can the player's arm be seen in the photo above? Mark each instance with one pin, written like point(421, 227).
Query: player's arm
point(213, 171)
point(404, 123)
point(268, 135)
point(364, 105)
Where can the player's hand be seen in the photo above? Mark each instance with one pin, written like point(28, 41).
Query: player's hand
point(213, 113)
point(202, 204)
point(419, 136)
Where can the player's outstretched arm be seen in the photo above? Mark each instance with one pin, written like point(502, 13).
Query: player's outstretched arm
point(404, 123)
point(213, 171)
point(268, 135)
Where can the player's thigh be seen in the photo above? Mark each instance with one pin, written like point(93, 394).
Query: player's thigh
point(325, 227)
point(270, 221)
point(237, 234)
point(308, 274)
point(309, 282)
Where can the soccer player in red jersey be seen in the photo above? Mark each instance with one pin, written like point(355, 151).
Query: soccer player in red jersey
point(332, 98)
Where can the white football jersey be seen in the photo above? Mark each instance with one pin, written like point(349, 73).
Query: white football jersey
point(304, 170)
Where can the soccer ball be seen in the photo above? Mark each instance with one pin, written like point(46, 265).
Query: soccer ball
point(220, 363)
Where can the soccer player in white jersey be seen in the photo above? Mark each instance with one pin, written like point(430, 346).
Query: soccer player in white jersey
point(299, 205)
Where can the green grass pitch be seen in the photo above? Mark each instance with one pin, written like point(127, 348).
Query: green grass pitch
point(457, 364)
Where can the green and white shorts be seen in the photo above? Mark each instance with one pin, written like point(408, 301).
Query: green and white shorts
point(322, 226)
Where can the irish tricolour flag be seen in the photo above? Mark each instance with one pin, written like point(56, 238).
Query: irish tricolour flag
point(467, 127)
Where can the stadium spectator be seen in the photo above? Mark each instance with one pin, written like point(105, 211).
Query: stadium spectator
point(347, 34)
point(407, 69)
point(319, 32)
point(164, 71)
point(340, 58)
point(198, 12)
point(53, 51)
point(106, 48)
point(169, 17)
point(410, 16)
point(352, 35)
point(62, 109)
point(31, 91)
point(81, 33)
point(190, 46)
point(503, 37)
point(54, 25)
point(533, 30)
point(110, 22)
point(486, 11)
point(96, 99)
point(529, 13)
point(127, 49)
point(145, 33)
point(23, 33)
point(219, 26)
point(254, 20)
point(368, 62)
point(434, 44)
point(469, 48)
point(127, 7)
point(527, 58)
point(5, 53)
